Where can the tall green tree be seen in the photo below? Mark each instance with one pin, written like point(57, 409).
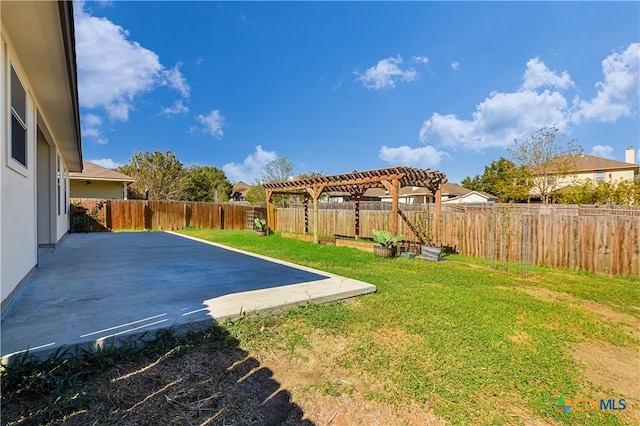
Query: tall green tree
point(207, 183)
point(501, 178)
point(158, 176)
point(256, 194)
point(547, 159)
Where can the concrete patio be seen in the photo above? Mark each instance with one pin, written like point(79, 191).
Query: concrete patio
point(99, 286)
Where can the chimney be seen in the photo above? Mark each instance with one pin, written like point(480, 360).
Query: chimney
point(630, 155)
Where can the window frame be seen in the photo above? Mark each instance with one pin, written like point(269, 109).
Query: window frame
point(600, 176)
point(12, 114)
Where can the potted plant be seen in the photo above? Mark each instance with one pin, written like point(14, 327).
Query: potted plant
point(388, 243)
point(428, 249)
point(261, 226)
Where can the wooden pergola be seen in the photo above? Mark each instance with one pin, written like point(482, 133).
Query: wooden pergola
point(356, 184)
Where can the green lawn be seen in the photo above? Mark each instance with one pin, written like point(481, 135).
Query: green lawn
point(476, 345)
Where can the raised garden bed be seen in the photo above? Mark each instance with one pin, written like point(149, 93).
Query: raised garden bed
point(307, 237)
point(365, 245)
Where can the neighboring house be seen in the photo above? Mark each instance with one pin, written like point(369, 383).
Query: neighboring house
point(595, 169)
point(240, 191)
point(99, 182)
point(40, 127)
point(450, 193)
point(471, 197)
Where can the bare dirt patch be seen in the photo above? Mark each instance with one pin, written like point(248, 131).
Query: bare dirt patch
point(613, 369)
point(331, 395)
point(625, 322)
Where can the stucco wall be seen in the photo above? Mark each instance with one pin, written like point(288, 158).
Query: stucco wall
point(18, 220)
point(616, 176)
point(97, 189)
point(18, 184)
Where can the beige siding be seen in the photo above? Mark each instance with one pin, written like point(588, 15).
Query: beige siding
point(97, 189)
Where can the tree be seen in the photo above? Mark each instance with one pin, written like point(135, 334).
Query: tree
point(624, 192)
point(546, 160)
point(278, 170)
point(503, 179)
point(256, 194)
point(158, 176)
point(207, 183)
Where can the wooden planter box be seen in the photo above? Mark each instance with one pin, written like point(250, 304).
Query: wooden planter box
point(360, 245)
point(307, 237)
point(382, 251)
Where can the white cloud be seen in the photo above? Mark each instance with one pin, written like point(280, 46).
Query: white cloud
point(175, 109)
point(619, 94)
point(423, 157)
point(250, 167)
point(91, 128)
point(212, 123)
point(385, 74)
point(113, 70)
point(106, 162)
point(176, 80)
point(455, 66)
point(503, 117)
point(91, 125)
point(498, 120)
point(604, 151)
point(538, 75)
point(421, 59)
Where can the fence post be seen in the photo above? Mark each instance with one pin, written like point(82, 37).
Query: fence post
point(147, 216)
point(107, 215)
point(221, 215)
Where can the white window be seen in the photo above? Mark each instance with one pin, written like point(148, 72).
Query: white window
point(18, 120)
point(600, 176)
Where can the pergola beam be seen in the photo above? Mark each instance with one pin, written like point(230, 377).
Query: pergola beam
point(356, 184)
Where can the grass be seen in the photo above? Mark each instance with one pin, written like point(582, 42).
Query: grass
point(461, 339)
point(454, 335)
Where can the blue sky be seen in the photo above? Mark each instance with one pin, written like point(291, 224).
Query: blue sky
point(343, 86)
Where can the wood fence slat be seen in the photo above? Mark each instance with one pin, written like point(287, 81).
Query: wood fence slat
point(590, 238)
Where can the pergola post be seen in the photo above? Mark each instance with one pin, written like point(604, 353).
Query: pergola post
point(436, 214)
point(270, 218)
point(395, 184)
point(315, 194)
point(356, 197)
point(393, 187)
point(306, 213)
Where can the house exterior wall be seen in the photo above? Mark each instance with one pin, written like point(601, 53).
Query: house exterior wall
point(18, 222)
point(467, 198)
point(97, 189)
point(19, 209)
point(616, 175)
point(612, 176)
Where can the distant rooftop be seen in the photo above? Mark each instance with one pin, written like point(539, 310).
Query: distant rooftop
point(586, 162)
point(91, 171)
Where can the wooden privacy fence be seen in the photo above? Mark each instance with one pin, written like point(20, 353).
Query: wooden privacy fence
point(590, 238)
point(118, 215)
